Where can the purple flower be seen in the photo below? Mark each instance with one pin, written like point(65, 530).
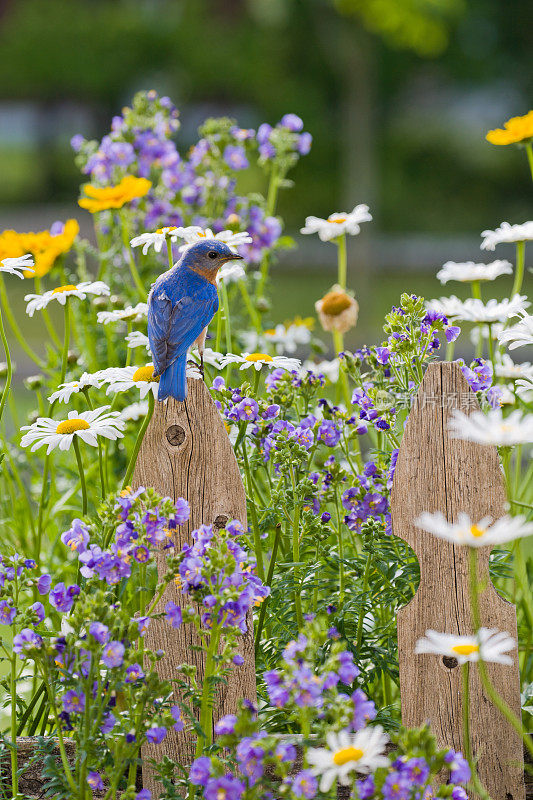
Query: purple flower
point(173, 614)
point(285, 752)
point(347, 670)
point(144, 794)
point(235, 157)
point(417, 769)
point(74, 702)
point(7, 613)
point(113, 654)
point(25, 641)
point(292, 122)
point(226, 788)
point(178, 721)
point(200, 771)
point(247, 410)
point(183, 511)
point(458, 793)
point(263, 133)
point(365, 788)
point(271, 412)
point(76, 142)
point(459, 769)
point(77, 537)
point(304, 784)
point(226, 725)
point(452, 332)
point(38, 610)
point(134, 673)
point(396, 787)
point(382, 354)
point(99, 631)
point(219, 383)
point(62, 598)
point(95, 781)
point(156, 734)
point(142, 623)
point(305, 140)
point(44, 583)
point(238, 660)
point(108, 723)
point(364, 709)
point(329, 433)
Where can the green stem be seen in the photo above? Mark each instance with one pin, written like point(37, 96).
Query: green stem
point(82, 474)
point(529, 152)
point(100, 448)
point(138, 442)
point(359, 635)
point(519, 272)
point(169, 253)
point(253, 514)
point(66, 342)
point(476, 290)
point(206, 711)
point(465, 672)
point(9, 367)
point(490, 342)
point(296, 551)
point(270, 575)
point(15, 328)
point(13, 690)
point(495, 698)
point(131, 259)
point(341, 550)
point(40, 517)
point(46, 316)
point(255, 319)
point(342, 261)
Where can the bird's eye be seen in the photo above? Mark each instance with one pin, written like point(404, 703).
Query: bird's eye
point(212, 254)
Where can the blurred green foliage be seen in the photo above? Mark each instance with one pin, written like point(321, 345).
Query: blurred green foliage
point(374, 80)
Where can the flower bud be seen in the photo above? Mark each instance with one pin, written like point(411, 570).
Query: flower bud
point(33, 382)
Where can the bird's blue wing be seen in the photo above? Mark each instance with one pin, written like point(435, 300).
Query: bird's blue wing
point(174, 327)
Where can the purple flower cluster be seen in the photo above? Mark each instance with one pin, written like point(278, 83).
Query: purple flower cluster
point(273, 140)
point(368, 498)
point(298, 684)
point(479, 374)
point(138, 529)
point(216, 571)
point(372, 412)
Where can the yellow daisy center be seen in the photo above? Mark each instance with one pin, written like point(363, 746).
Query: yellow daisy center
point(465, 649)
point(69, 287)
point(72, 425)
point(258, 357)
point(334, 303)
point(168, 229)
point(342, 757)
point(476, 531)
point(338, 220)
point(145, 374)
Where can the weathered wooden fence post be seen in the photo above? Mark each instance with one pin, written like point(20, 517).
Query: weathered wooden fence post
point(186, 453)
point(437, 473)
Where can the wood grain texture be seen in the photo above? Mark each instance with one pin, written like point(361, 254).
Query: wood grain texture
point(437, 473)
point(186, 453)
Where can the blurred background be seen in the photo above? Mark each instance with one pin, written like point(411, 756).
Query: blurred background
point(398, 95)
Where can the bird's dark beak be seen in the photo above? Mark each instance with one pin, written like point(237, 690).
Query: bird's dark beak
point(232, 257)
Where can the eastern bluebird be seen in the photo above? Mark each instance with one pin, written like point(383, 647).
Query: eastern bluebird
point(181, 304)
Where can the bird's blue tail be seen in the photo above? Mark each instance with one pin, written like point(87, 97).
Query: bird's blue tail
point(173, 381)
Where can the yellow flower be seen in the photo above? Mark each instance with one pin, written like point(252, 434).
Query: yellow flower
point(100, 198)
point(516, 129)
point(43, 245)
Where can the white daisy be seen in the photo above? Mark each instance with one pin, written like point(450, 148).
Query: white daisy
point(492, 427)
point(129, 314)
point(211, 357)
point(66, 390)
point(194, 234)
point(88, 426)
point(507, 369)
point(230, 273)
point(518, 335)
point(287, 338)
point(507, 233)
point(330, 369)
point(337, 224)
point(36, 302)
point(121, 379)
point(15, 266)
point(451, 307)
point(467, 271)
point(157, 239)
point(524, 386)
point(486, 645)
point(138, 339)
point(134, 411)
point(258, 360)
point(475, 534)
point(346, 752)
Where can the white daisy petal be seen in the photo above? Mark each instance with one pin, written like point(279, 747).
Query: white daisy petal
point(486, 645)
point(15, 266)
point(468, 271)
point(87, 425)
point(482, 533)
point(338, 223)
point(259, 360)
point(507, 233)
point(36, 302)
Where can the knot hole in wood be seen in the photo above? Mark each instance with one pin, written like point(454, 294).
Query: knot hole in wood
point(220, 521)
point(450, 662)
point(175, 435)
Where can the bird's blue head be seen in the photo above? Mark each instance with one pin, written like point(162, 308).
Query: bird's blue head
point(207, 257)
